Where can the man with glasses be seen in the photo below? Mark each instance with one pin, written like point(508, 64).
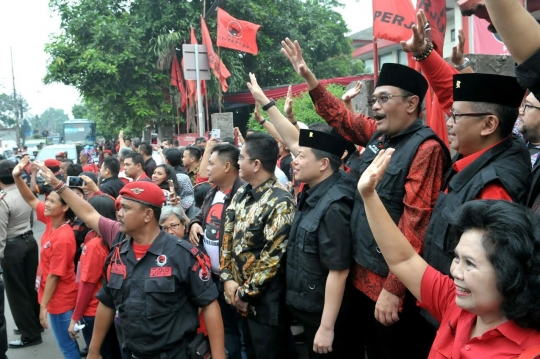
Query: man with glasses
point(391, 324)
point(529, 127)
point(257, 225)
point(490, 163)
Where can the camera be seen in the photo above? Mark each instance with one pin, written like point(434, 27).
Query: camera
point(75, 181)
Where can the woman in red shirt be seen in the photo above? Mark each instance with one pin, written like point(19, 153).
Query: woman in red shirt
point(90, 276)
point(55, 280)
point(491, 307)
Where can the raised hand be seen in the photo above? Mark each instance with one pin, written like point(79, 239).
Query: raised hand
point(256, 90)
point(352, 93)
point(458, 56)
point(288, 103)
point(48, 175)
point(418, 41)
point(293, 51)
point(18, 170)
point(374, 173)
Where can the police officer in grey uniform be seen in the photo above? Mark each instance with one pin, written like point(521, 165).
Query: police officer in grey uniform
point(19, 253)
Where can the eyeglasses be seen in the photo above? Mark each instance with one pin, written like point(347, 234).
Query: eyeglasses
point(526, 105)
point(241, 158)
point(384, 99)
point(472, 114)
point(173, 227)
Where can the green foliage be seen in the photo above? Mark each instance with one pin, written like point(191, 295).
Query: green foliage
point(303, 108)
point(7, 109)
point(52, 119)
point(118, 53)
point(79, 110)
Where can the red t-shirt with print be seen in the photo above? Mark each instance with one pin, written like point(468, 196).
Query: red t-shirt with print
point(56, 258)
point(92, 260)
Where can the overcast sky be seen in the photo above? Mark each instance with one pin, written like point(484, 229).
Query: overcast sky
point(26, 25)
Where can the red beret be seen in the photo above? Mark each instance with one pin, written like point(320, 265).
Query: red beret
point(108, 151)
point(60, 154)
point(52, 163)
point(143, 192)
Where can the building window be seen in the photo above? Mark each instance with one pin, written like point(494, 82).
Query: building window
point(453, 35)
point(368, 66)
point(402, 58)
point(386, 58)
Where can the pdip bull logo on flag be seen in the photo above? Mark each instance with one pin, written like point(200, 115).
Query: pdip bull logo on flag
point(235, 29)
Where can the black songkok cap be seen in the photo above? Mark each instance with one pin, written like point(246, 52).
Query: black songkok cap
point(403, 77)
point(497, 89)
point(323, 141)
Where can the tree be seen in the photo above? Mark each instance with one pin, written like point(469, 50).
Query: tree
point(7, 109)
point(303, 107)
point(79, 110)
point(52, 119)
point(118, 53)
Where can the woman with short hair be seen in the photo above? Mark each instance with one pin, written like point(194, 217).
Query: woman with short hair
point(173, 220)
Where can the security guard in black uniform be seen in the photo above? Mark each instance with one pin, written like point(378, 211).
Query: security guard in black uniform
point(154, 281)
point(320, 245)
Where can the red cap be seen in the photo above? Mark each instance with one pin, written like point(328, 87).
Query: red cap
point(108, 151)
point(143, 192)
point(52, 163)
point(60, 154)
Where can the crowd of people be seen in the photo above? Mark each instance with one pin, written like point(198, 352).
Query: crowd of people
point(367, 231)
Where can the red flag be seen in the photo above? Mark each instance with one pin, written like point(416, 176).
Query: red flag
point(435, 117)
point(435, 11)
point(203, 82)
point(236, 34)
point(178, 81)
point(393, 19)
point(220, 71)
point(191, 89)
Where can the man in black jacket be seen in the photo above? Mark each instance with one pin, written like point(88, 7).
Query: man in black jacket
point(110, 183)
point(208, 227)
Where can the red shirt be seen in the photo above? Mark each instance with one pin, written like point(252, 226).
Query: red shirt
point(494, 190)
point(422, 187)
point(57, 254)
point(142, 177)
point(507, 340)
point(140, 250)
point(440, 74)
point(92, 260)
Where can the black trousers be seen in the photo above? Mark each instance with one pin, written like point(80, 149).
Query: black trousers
point(410, 337)
point(20, 266)
point(3, 331)
point(344, 344)
point(266, 341)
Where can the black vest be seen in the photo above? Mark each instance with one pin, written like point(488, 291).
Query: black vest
point(533, 198)
point(508, 163)
point(306, 277)
point(391, 189)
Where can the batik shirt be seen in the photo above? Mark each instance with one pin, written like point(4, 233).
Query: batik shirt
point(257, 225)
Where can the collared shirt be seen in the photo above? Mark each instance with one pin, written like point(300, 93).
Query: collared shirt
point(426, 172)
point(158, 299)
point(508, 340)
point(193, 175)
point(257, 225)
point(493, 190)
point(14, 216)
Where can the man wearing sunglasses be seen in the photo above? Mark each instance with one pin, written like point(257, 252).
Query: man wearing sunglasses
point(391, 324)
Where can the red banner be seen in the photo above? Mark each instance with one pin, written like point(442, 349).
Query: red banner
point(236, 34)
point(214, 61)
point(486, 42)
point(435, 11)
point(393, 19)
point(178, 81)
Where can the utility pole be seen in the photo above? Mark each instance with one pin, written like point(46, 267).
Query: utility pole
point(15, 103)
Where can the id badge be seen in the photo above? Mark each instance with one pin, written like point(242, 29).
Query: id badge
point(38, 278)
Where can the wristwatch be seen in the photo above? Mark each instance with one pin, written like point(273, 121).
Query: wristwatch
point(463, 65)
point(269, 104)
